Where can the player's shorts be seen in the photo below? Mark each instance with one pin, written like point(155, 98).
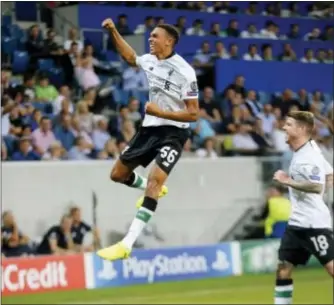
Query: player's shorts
point(162, 143)
point(298, 244)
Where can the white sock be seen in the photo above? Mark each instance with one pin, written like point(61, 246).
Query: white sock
point(138, 224)
point(139, 182)
point(283, 292)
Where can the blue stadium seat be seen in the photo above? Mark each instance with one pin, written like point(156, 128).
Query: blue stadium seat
point(45, 64)
point(6, 20)
point(20, 62)
point(8, 45)
point(56, 76)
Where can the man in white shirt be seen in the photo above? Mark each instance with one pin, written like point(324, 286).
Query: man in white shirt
point(310, 225)
point(173, 104)
point(252, 54)
point(309, 57)
point(72, 37)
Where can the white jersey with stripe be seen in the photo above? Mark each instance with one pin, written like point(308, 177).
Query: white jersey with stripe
point(171, 82)
point(309, 209)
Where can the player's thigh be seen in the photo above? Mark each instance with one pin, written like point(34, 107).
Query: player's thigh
point(170, 148)
point(320, 243)
point(291, 249)
point(141, 150)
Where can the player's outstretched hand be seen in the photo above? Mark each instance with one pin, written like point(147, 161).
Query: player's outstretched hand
point(108, 24)
point(152, 109)
point(281, 177)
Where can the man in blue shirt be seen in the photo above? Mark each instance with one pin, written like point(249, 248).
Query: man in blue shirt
point(25, 152)
point(63, 132)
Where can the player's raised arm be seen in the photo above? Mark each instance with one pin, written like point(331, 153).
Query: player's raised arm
point(123, 48)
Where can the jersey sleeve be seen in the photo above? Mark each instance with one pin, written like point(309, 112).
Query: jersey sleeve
point(190, 88)
point(142, 60)
point(312, 172)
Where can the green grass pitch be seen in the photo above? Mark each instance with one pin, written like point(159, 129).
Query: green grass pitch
point(312, 286)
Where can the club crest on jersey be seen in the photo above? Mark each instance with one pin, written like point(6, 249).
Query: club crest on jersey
point(193, 87)
point(315, 170)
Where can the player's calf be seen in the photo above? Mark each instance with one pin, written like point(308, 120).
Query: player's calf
point(330, 268)
point(284, 284)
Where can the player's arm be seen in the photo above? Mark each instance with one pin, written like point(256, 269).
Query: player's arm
point(122, 47)
point(305, 186)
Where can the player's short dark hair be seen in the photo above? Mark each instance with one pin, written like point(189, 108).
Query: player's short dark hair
point(305, 118)
point(171, 30)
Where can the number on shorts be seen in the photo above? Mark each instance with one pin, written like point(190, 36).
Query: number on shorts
point(321, 244)
point(168, 155)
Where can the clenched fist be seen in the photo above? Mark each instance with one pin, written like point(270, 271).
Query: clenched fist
point(108, 24)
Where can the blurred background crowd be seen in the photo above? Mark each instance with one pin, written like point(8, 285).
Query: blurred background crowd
point(63, 98)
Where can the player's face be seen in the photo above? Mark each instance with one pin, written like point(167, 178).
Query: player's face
point(158, 41)
point(293, 130)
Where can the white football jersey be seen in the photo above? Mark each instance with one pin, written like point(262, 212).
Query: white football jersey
point(171, 81)
point(308, 209)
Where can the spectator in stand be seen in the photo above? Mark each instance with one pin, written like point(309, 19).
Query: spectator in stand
point(303, 100)
point(78, 151)
point(210, 109)
point(13, 242)
point(43, 136)
point(251, 32)
point(314, 35)
point(187, 150)
point(81, 230)
point(25, 152)
point(64, 94)
point(243, 143)
point(217, 7)
point(267, 52)
point(329, 57)
point(202, 130)
point(16, 122)
point(50, 46)
point(65, 109)
point(252, 8)
point(252, 54)
point(196, 29)
point(181, 24)
point(288, 53)
point(292, 11)
point(134, 78)
point(279, 137)
point(64, 133)
point(100, 136)
point(272, 10)
point(128, 130)
point(233, 29)
point(122, 25)
point(317, 102)
point(74, 54)
point(268, 120)
point(321, 56)
point(45, 92)
point(86, 117)
point(208, 150)
point(159, 20)
point(110, 151)
point(285, 102)
point(148, 26)
point(253, 105)
point(201, 6)
point(308, 57)
point(234, 51)
point(26, 89)
point(34, 44)
point(221, 52)
point(55, 152)
point(78, 132)
point(58, 239)
point(203, 65)
point(328, 34)
point(116, 122)
point(35, 119)
point(270, 31)
point(73, 40)
point(216, 30)
point(294, 32)
point(238, 86)
point(134, 114)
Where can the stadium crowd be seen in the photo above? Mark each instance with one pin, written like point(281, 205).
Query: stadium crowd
point(95, 108)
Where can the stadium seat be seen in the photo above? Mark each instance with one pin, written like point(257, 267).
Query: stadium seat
point(56, 76)
point(20, 62)
point(8, 45)
point(45, 64)
point(6, 20)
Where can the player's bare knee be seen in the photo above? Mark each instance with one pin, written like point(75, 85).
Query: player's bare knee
point(330, 268)
point(117, 176)
point(284, 271)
